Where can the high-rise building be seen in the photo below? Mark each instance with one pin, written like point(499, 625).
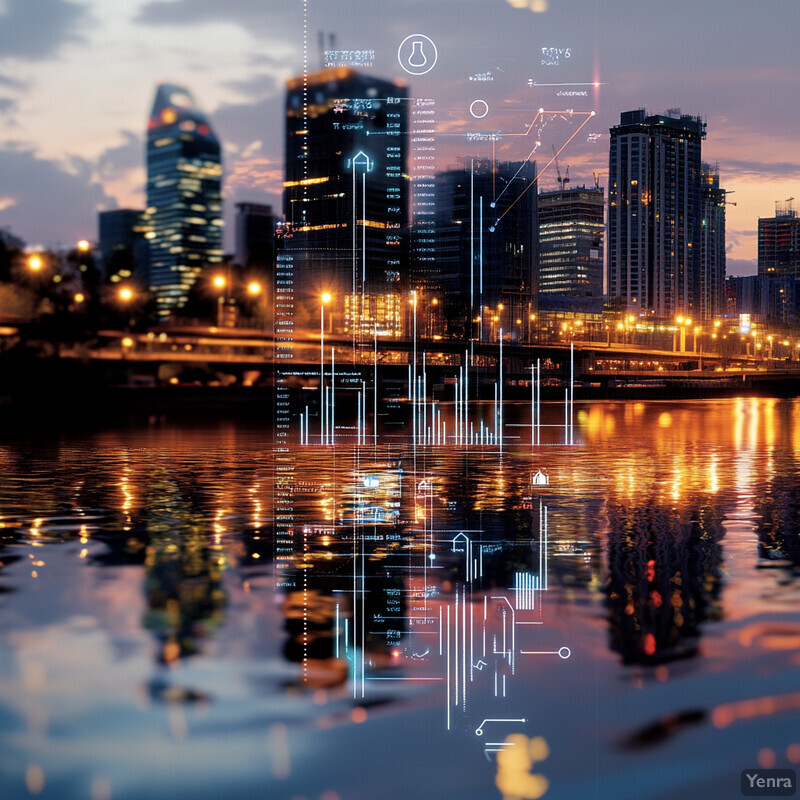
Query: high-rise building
point(655, 213)
point(124, 244)
point(779, 261)
point(779, 243)
point(255, 237)
point(712, 246)
point(184, 196)
point(571, 229)
point(346, 197)
point(487, 238)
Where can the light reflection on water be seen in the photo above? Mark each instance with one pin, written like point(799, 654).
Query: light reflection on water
point(156, 637)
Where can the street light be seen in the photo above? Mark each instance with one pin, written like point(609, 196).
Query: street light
point(125, 294)
point(219, 283)
point(683, 323)
point(84, 246)
point(35, 263)
point(254, 288)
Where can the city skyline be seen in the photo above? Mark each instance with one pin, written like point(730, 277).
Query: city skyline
point(57, 176)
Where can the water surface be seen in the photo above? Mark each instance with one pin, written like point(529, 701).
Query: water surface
point(185, 612)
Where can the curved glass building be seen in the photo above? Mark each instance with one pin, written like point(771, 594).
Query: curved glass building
point(184, 196)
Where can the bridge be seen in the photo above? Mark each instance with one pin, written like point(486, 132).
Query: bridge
point(218, 356)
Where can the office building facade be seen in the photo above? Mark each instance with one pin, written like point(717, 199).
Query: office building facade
point(655, 211)
point(124, 245)
point(571, 233)
point(184, 197)
point(487, 239)
point(346, 198)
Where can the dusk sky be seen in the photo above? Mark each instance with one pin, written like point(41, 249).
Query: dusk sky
point(77, 80)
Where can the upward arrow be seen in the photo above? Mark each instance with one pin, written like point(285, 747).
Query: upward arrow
point(357, 160)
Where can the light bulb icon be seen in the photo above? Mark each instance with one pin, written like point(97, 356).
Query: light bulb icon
point(417, 58)
point(417, 54)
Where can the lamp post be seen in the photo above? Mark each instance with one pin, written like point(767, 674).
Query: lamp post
point(254, 290)
point(220, 284)
point(682, 324)
point(126, 296)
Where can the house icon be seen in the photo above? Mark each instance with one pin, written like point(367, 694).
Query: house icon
point(540, 478)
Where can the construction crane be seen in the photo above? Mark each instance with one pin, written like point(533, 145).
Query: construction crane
point(558, 170)
point(562, 182)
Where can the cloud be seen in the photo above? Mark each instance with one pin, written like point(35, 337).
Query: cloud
point(257, 86)
point(7, 105)
point(37, 31)
point(255, 16)
point(45, 195)
point(769, 170)
point(8, 82)
point(118, 160)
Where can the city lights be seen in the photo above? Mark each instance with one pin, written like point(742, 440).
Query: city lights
point(420, 421)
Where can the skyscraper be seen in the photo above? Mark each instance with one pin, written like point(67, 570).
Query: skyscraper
point(712, 246)
point(184, 196)
point(571, 227)
point(346, 196)
point(779, 261)
point(487, 237)
point(655, 213)
point(779, 243)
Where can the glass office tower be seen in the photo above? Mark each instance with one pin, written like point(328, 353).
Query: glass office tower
point(184, 196)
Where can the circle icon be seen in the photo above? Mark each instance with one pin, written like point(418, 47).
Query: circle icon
point(417, 54)
point(565, 652)
point(479, 108)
